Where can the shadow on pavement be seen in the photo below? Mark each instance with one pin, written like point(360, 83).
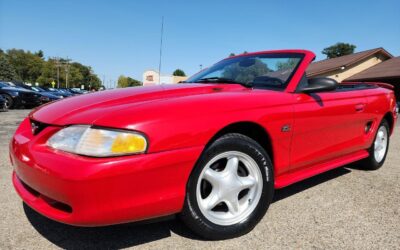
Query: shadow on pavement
point(133, 234)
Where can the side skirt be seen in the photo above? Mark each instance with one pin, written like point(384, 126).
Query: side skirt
point(299, 175)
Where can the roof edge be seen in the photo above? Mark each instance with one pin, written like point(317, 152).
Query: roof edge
point(372, 52)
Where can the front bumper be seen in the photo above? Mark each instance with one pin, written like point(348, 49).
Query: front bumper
point(87, 191)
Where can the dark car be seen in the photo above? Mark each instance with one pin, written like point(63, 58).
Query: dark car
point(3, 103)
point(77, 91)
point(60, 92)
point(18, 97)
point(47, 96)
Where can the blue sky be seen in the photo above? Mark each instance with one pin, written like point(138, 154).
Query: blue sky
point(122, 37)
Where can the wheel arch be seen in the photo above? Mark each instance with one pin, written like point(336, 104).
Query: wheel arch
point(390, 119)
point(251, 129)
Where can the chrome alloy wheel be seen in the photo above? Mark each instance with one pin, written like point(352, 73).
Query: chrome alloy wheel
point(229, 188)
point(380, 144)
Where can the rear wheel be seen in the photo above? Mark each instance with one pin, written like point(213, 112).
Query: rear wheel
point(230, 188)
point(378, 149)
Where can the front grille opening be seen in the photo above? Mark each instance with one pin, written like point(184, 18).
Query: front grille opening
point(29, 189)
point(37, 127)
point(51, 202)
point(57, 205)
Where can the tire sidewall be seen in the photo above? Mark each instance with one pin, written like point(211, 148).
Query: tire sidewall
point(10, 101)
point(258, 154)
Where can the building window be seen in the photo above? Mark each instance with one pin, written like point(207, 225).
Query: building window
point(149, 78)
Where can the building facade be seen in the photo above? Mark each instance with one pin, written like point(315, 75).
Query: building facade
point(375, 65)
point(152, 77)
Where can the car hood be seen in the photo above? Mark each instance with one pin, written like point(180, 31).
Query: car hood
point(86, 109)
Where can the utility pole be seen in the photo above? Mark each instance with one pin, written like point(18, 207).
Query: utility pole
point(66, 72)
point(58, 71)
point(201, 66)
point(159, 65)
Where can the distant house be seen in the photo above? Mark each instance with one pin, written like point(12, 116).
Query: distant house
point(152, 77)
point(375, 65)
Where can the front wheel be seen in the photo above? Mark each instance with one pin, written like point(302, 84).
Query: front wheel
point(9, 102)
point(230, 188)
point(378, 149)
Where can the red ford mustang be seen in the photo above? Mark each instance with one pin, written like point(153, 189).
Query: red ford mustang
point(212, 149)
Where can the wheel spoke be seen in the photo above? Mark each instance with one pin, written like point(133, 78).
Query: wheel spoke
point(211, 201)
point(233, 204)
point(232, 165)
point(247, 182)
point(213, 177)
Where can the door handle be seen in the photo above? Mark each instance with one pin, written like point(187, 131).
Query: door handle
point(360, 107)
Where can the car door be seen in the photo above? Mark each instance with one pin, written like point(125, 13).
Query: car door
point(326, 125)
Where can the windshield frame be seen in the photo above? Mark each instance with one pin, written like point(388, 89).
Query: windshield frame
point(301, 56)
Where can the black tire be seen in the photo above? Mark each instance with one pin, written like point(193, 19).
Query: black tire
point(371, 163)
point(191, 213)
point(9, 101)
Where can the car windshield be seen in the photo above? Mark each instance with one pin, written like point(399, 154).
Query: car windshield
point(35, 89)
point(271, 71)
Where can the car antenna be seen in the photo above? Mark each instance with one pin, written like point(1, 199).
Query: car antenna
point(159, 65)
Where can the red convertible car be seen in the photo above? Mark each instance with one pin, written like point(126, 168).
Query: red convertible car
point(212, 149)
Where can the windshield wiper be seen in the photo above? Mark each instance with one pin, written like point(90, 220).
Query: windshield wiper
point(222, 80)
point(217, 80)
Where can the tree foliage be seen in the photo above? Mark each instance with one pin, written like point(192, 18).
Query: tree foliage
point(179, 72)
point(339, 49)
point(34, 68)
point(7, 72)
point(126, 81)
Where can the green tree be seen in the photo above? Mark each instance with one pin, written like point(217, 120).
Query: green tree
point(7, 72)
point(339, 49)
point(179, 72)
point(231, 54)
point(27, 65)
point(40, 54)
point(48, 74)
point(125, 81)
point(32, 67)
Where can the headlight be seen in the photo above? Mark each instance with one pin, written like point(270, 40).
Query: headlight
point(97, 142)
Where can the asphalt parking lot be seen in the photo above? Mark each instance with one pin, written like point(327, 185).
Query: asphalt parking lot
point(346, 208)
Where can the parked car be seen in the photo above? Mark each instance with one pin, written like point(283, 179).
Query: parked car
point(77, 91)
point(3, 104)
point(17, 97)
point(213, 149)
point(60, 92)
point(47, 96)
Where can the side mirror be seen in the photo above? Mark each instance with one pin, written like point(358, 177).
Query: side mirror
point(319, 84)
